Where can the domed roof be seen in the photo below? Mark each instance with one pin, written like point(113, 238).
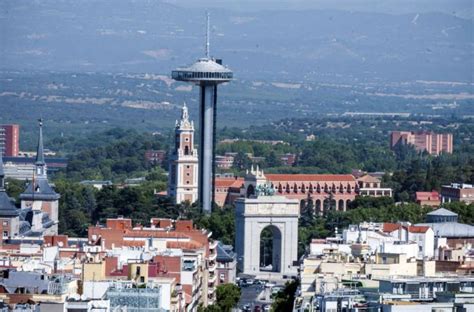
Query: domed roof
point(442, 212)
point(207, 65)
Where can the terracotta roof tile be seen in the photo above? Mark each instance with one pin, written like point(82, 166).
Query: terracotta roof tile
point(311, 177)
point(390, 227)
point(229, 182)
point(418, 229)
point(184, 245)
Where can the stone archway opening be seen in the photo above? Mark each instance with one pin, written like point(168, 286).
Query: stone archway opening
point(270, 249)
point(341, 205)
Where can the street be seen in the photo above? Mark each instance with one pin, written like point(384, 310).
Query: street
point(254, 295)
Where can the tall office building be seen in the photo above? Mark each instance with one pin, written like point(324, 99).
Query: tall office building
point(10, 140)
point(433, 143)
point(183, 173)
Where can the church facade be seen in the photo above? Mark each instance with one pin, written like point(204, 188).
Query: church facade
point(183, 162)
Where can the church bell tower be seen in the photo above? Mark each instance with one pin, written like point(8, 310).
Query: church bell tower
point(183, 170)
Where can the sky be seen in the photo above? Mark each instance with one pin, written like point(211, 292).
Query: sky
point(460, 8)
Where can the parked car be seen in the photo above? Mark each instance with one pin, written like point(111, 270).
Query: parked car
point(270, 284)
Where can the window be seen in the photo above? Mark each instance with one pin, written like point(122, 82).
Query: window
point(5, 223)
point(5, 233)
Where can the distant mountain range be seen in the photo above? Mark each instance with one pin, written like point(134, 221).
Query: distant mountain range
point(283, 45)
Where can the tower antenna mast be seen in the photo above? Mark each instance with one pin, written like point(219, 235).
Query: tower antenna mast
point(207, 34)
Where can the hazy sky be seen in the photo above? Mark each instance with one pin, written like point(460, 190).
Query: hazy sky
point(461, 8)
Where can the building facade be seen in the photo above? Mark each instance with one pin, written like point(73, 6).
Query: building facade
point(10, 140)
point(433, 143)
point(155, 157)
point(431, 199)
point(323, 192)
point(183, 167)
point(457, 192)
point(372, 186)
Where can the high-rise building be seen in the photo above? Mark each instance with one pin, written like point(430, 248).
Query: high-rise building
point(10, 140)
point(207, 73)
point(433, 143)
point(183, 167)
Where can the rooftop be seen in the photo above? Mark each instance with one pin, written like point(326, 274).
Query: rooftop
point(442, 212)
point(311, 177)
point(451, 229)
point(459, 186)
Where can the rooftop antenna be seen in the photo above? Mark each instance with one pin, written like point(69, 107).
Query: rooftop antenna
point(207, 34)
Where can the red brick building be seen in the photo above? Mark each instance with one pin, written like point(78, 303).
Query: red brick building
point(433, 143)
point(324, 191)
point(155, 156)
point(10, 140)
point(428, 199)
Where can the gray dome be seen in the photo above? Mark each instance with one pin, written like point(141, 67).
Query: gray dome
point(203, 70)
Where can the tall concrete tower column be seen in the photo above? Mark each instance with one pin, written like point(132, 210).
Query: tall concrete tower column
point(208, 92)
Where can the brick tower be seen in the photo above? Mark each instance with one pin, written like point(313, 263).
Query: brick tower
point(183, 173)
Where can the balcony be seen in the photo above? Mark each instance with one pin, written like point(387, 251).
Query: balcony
point(212, 278)
point(213, 244)
point(211, 291)
point(212, 256)
point(212, 266)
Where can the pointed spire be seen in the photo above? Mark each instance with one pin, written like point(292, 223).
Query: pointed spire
point(40, 163)
point(40, 150)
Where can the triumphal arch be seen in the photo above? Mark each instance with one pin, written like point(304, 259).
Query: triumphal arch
point(266, 230)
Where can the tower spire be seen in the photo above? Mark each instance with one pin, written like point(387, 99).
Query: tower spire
point(207, 34)
point(40, 163)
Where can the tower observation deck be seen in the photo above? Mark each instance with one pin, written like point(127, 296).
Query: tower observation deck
point(207, 73)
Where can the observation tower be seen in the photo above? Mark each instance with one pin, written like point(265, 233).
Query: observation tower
point(206, 73)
